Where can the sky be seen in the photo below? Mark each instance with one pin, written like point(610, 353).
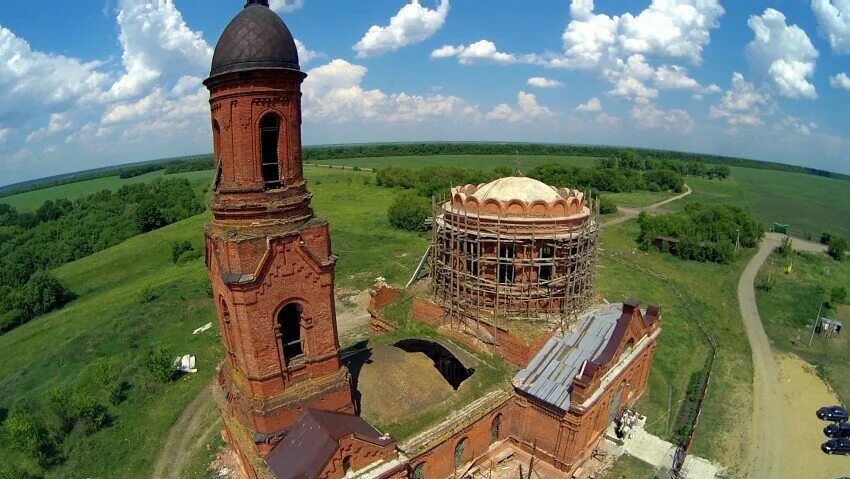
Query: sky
point(91, 83)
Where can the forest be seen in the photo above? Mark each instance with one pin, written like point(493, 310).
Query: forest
point(61, 231)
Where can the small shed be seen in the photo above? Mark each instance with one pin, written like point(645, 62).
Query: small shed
point(780, 228)
point(829, 327)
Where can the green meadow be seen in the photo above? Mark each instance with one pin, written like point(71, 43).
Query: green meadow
point(113, 321)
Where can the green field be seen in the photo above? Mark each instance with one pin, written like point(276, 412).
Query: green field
point(790, 307)
point(810, 204)
point(682, 347)
point(108, 322)
point(31, 200)
point(481, 162)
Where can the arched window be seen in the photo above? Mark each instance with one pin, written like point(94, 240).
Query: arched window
point(419, 471)
point(460, 450)
point(346, 465)
point(547, 255)
point(289, 332)
point(216, 153)
point(229, 343)
point(269, 136)
point(495, 428)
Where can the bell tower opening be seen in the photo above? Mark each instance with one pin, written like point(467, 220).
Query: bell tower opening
point(270, 163)
point(289, 332)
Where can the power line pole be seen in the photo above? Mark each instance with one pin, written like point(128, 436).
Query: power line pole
point(816, 324)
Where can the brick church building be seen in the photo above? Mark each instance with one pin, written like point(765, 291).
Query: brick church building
point(286, 398)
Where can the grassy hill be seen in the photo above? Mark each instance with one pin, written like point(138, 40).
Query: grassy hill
point(111, 322)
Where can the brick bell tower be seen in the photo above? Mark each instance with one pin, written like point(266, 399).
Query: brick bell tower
point(269, 259)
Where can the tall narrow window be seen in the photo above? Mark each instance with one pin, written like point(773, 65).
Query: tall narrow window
point(506, 264)
point(419, 471)
point(547, 255)
point(229, 343)
point(460, 450)
point(269, 135)
point(471, 257)
point(495, 428)
point(216, 141)
point(346, 465)
point(289, 332)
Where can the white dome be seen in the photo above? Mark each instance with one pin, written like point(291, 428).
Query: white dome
point(524, 189)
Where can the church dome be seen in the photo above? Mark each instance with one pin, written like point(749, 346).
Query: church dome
point(516, 188)
point(255, 39)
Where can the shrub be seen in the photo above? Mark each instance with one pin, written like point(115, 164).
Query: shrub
point(607, 205)
point(160, 363)
point(837, 247)
point(25, 434)
point(89, 412)
point(838, 295)
point(785, 247)
point(409, 212)
point(146, 295)
point(178, 248)
point(188, 256)
point(825, 236)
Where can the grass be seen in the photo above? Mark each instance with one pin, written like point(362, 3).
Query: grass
point(810, 204)
point(31, 200)
point(483, 162)
point(108, 322)
point(789, 310)
point(628, 467)
point(682, 347)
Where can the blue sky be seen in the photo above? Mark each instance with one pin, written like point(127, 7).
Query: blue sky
point(91, 83)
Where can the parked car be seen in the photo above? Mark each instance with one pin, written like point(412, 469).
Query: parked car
point(836, 446)
point(837, 430)
point(833, 413)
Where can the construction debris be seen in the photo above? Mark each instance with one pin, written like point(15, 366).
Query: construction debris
point(202, 328)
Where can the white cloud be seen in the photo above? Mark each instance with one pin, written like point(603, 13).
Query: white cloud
point(648, 116)
point(4, 133)
point(305, 55)
point(526, 111)
point(333, 92)
point(840, 81)
point(33, 83)
point(741, 105)
point(58, 123)
point(482, 51)
point(157, 43)
point(671, 28)
point(795, 125)
point(782, 54)
point(834, 22)
point(285, 6)
point(673, 77)
point(541, 82)
point(412, 24)
point(591, 106)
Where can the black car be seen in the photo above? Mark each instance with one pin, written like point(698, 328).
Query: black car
point(836, 446)
point(837, 430)
point(833, 413)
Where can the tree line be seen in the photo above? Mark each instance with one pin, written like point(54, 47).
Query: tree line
point(700, 232)
point(326, 153)
point(61, 231)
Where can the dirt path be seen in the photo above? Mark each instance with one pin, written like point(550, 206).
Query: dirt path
point(188, 436)
point(785, 433)
point(629, 213)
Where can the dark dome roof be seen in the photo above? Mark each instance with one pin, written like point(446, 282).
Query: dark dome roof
point(255, 39)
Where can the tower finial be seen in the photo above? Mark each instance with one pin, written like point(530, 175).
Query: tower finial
point(264, 3)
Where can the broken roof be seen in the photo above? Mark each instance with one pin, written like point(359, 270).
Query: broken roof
point(549, 376)
point(312, 441)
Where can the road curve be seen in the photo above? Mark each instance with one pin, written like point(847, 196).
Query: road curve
point(629, 213)
point(768, 430)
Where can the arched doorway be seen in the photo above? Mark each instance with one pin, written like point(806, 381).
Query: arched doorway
point(495, 428)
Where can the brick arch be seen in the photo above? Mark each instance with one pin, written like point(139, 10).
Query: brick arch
point(515, 207)
point(492, 206)
point(539, 208)
point(284, 332)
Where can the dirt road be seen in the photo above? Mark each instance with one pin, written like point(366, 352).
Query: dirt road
point(786, 435)
point(629, 213)
point(188, 436)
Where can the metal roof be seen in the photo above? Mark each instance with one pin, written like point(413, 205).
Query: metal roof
point(549, 376)
point(312, 441)
point(255, 39)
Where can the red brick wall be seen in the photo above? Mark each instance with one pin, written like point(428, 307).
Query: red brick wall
point(360, 453)
point(428, 312)
point(381, 295)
